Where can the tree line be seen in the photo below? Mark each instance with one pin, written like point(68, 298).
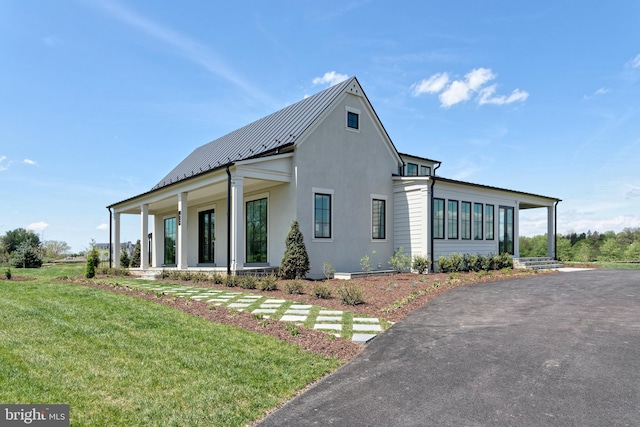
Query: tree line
point(587, 247)
point(22, 248)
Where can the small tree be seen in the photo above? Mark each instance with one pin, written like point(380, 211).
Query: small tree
point(135, 258)
point(26, 256)
point(295, 262)
point(93, 260)
point(124, 259)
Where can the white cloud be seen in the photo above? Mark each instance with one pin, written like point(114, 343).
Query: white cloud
point(37, 226)
point(635, 62)
point(473, 84)
point(601, 91)
point(29, 162)
point(103, 226)
point(330, 78)
point(4, 165)
point(433, 84)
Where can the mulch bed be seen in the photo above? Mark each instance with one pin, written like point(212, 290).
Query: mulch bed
point(389, 297)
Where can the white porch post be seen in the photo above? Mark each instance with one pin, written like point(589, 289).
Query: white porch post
point(144, 233)
point(237, 225)
point(426, 221)
point(551, 250)
point(516, 231)
point(116, 240)
point(182, 231)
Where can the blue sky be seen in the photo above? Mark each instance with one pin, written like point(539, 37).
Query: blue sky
point(100, 99)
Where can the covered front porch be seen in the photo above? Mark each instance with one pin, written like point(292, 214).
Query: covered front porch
point(218, 221)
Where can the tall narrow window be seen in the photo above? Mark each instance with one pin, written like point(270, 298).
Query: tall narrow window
point(438, 218)
point(206, 238)
point(378, 209)
point(322, 216)
point(465, 220)
point(353, 120)
point(477, 221)
point(452, 219)
point(489, 224)
point(257, 231)
point(506, 230)
point(170, 234)
point(412, 169)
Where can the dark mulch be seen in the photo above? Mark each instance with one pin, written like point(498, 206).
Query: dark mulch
point(407, 291)
point(17, 279)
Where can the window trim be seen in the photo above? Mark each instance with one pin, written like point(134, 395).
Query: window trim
point(465, 225)
point(450, 233)
point(442, 219)
point(324, 191)
point(478, 234)
point(384, 199)
point(358, 113)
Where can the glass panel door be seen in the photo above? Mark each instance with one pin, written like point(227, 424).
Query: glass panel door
point(506, 230)
point(170, 234)
point(257, 231)
point(206, 230)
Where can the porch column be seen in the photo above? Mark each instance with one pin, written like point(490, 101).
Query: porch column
point(551, 250)
point(237, 225)
point(425, 201)
point(516, 230)
point(144, 236)
point(116, 240)
point(182, 243)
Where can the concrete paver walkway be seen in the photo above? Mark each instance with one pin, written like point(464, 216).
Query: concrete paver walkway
point(337, 322)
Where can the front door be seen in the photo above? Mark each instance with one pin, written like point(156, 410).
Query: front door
point(256, 231)
point(207, 230)
point(170, 234)
point(506, 230)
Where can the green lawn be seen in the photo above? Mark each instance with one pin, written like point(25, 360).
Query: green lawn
point(122, 361)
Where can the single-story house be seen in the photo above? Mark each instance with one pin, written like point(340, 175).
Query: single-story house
point(327, 162)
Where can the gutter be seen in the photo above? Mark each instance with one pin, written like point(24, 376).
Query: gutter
point(433, 183)
point(228, 221)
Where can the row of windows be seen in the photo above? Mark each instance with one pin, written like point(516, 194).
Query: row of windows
point(465, 222)
point(412, 170)
point(322, 217)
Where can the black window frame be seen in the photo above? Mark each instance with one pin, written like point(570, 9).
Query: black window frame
point(206, 236)
point(425, 170)
point(353, 120)
point(320, 225)
point(257, 231)
point(381, 224)
point(438, 218)
point(465, 221)
point(452, 219)
point(410, 167)
point(478, 221)
point(489, 222)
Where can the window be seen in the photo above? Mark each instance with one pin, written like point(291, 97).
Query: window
point(378, 209)
point(477, 221)
point(206, 236)
point(170, 234)
point(506, 230)
point(353, 120)
point(488, 222)
point(322, 216)
point(412, 169)
point(465, 220)
point(257, 231)
point(425, 171)
point(452, 219)
point(438, 218)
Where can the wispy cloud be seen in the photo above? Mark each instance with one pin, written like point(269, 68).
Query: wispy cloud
point(330, 78)
point(635, 62)
point(103, 226)
point(37, 226)
point(4, 164)
point(29, 162)
point(472, 85)
point(187, 47)
point(599, 92)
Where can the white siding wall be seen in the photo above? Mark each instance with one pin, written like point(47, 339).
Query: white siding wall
point(411, 231)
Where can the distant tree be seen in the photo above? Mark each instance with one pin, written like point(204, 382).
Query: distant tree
point(14, 238)
point(583, 251)
point(295, 262)
point(55, 249)
point(563, 249)
point(610, 250)
point(26, 256)
point(632, 253)
point(124, 259)
point(135, 258)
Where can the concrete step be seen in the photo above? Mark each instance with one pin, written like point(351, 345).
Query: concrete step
point(542, 263)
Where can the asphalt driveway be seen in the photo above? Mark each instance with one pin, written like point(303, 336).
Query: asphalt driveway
point(551, 350)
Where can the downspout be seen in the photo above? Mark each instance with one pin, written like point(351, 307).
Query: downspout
point(228, 221)
point(555, 231)
point(110, 238)
point(433, 183)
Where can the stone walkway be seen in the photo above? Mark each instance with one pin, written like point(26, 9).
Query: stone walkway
point(337, 322)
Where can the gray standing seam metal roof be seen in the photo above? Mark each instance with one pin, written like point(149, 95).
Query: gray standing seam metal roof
point(277, 130)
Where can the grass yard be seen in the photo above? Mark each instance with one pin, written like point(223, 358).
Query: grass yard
point(123, 361)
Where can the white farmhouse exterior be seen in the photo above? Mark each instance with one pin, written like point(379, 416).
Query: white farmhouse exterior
point(327, 162)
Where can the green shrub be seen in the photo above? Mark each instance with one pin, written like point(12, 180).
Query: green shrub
point(26, 256)
point(400, 261)
point(295, 262)
point(7, 273)
point(268, 283)
point(503, 260)
point(321, 291)
point(444, 264)
point(124, 259)
point(248, 282)
point(115, 271)
point(473, 262)
point(486, 262)
point(457, 262)
point(421, 263)
point(137, 253)
point(328, 270)
point(294, 287)
point(231, 281)
point(351, 294)
point(93, 260)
